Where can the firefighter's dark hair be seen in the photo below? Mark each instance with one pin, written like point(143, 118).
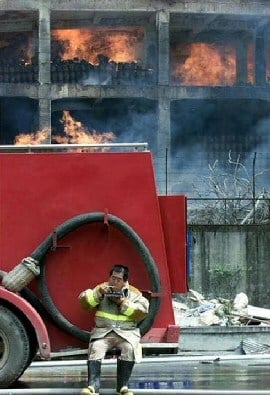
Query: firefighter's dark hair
point(120, 269)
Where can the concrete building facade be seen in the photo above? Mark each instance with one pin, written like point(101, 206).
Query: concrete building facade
point(189, 77)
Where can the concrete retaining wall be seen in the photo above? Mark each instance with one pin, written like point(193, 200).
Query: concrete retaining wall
point(220, 338)
point(226, 260)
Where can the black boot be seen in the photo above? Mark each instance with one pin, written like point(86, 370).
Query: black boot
point(94, 369)
point(124, 370)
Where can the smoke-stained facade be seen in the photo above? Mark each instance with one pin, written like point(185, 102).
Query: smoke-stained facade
point(191, 79)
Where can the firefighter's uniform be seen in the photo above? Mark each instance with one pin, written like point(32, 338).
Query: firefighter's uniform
point(116, 325)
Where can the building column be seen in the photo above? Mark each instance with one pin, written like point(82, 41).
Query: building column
point(163, 145)
point(44, 63)
point(242, 62)
point(164, 120)
point(163, 33)
point(260, 61)
point(151, 49)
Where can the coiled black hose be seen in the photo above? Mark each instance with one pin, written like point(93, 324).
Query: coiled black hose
point(71, 225)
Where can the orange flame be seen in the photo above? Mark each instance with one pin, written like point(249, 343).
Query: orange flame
point(40, 137)
point(119, 45)
point(75, 133)
point(205, 64)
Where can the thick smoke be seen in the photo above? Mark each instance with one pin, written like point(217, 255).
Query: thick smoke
point(16, 48)
point(203, 132)
point(18, 115)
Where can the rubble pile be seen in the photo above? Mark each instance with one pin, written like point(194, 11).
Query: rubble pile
point(194, 310)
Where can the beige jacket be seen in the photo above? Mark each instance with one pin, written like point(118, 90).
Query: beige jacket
point(122, 319)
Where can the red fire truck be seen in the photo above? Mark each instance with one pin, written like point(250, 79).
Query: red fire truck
point(68, 213)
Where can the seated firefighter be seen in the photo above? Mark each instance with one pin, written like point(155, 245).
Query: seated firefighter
point(119, 307)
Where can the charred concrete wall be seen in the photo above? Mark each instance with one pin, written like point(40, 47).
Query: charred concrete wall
point(226, 260)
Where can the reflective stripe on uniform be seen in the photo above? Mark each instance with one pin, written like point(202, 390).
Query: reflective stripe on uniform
point(129, 311)
point(113, 317)
point(90, 299)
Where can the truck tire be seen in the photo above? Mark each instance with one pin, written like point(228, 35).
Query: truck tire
point(14, 347)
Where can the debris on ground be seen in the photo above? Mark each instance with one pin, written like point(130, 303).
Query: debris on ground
point(249, 346)
point(195, 310)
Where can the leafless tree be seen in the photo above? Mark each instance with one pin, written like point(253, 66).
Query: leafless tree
point(233, 196)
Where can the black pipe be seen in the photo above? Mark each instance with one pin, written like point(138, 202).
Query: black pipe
point(72, 224)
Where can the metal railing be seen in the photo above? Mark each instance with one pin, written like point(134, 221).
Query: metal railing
point(72, 147)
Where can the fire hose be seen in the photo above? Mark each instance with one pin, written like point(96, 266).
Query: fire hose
point(34, 265)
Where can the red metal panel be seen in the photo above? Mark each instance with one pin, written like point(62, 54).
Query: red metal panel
point(172, 335)
point(33, 317)
point(38, 192)
point(173, 215)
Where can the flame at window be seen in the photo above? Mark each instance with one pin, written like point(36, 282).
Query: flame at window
point(39, 137)
point(118, 44)
point(204, 64)
point(74, 133)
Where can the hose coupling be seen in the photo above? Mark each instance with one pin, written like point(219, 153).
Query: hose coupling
point(21, 275)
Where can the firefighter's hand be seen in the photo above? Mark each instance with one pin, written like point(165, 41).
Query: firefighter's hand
point(103, 288)
point(82, 295)
point(83, 300)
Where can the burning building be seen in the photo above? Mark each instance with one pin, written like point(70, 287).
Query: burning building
point(192, 80)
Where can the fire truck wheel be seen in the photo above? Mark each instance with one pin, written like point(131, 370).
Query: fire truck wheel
point(14, 347)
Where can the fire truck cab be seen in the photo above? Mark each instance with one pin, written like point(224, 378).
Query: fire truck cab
point(68, 214)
